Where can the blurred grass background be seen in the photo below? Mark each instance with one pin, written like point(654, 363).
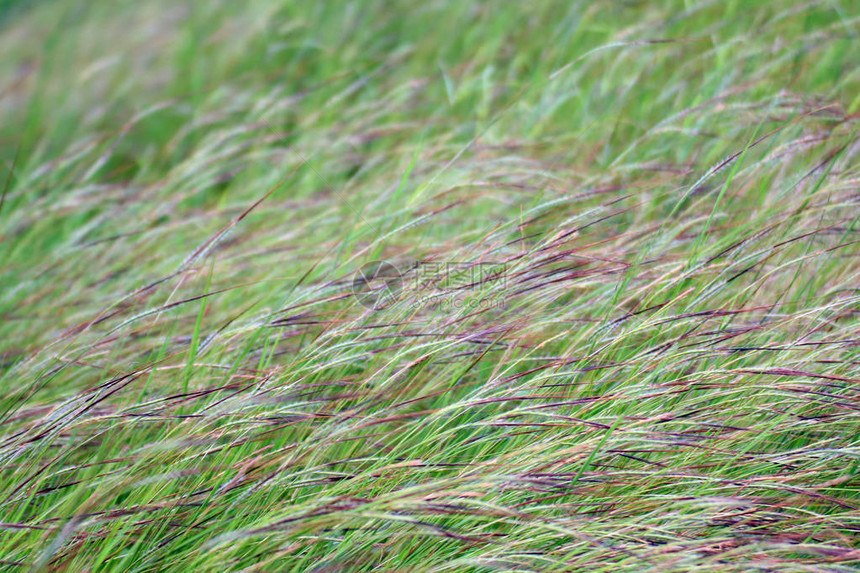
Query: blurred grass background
point(189, 187)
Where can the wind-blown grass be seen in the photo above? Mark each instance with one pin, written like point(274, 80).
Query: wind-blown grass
point(666, 378)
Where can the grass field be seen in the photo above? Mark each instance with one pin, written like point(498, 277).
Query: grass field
point(622, 333)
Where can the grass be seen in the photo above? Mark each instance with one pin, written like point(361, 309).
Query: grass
point(659, 374)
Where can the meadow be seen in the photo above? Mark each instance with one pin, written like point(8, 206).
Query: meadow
point(620, 334)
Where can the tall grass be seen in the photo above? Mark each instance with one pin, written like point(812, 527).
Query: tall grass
point(660, 374)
